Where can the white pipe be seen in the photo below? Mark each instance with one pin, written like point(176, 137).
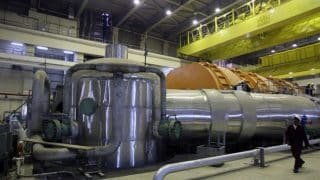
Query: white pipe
point(175, 167)
point(285, 147)
point(42, 153)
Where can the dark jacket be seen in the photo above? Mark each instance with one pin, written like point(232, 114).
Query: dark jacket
point(295, 137)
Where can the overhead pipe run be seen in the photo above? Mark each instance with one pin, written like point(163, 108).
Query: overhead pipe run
point(113, 67)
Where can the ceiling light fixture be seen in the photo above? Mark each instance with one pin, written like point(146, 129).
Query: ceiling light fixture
point(136, 2)
point(168, 12)
point(195, 22)
point(290, 72)
point(318, 38)
point(217, 10)
point(42, 48)
point(294, 45)
point(16, 44)
point(273, 51)
point(68, 52)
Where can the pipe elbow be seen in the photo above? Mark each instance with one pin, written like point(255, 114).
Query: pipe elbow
point(42, 153)
point(104, 150)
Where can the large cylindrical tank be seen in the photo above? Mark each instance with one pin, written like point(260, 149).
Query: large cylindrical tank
point(241, 115)
point(101, 93)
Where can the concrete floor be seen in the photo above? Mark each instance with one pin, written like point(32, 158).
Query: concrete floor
point(280, 168)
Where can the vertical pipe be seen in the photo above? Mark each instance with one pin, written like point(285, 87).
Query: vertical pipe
point(233, 17)
point(40, 101)
point(188, 37)
point(215, 24)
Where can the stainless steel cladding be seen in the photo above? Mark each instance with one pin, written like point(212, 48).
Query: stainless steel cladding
point(241, 115)
point(117, 51)
point(275, 112)
point(101, 95)
point(40, 101)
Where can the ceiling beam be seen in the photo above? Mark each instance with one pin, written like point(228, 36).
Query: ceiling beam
point(82, 6)
point(181, 6)
point(208, 17)
point(133, 10)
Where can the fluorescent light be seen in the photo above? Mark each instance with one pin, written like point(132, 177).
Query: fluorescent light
point(217, 10)
point(294, 45)
point(195, 22)
point(68, 52)
point(271, 11)
point(42, 48)
point(136, 2)
point(16, 44)
point(318, 38)
point(273, 51)
point(168, 12)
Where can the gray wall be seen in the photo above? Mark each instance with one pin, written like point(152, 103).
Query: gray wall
point(19, 81)
point(13, 81)
point(155, 45)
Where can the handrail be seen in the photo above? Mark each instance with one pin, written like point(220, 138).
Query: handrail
point(226, 19)
point(175, 167)
point(258, 154)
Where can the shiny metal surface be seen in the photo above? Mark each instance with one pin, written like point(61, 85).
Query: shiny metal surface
point(209, 161)
point(134, 99)
point(245, 114)
point(40, 101)
point(117, 51)
point(275, 111)
point(192, 109)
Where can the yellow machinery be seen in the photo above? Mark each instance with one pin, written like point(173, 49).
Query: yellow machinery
point(203, 75)
point(255, 25)
point(298, 62)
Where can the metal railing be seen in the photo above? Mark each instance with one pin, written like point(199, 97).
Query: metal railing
point(258, 155)
point(35, 24)
point(227, 19)
point(49, 27)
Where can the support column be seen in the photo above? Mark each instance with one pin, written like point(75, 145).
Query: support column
point(165, 48)
point(78, 57)
point(142, 43)
point(115, 35)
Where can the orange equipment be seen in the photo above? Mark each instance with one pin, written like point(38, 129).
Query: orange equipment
point(203, 75)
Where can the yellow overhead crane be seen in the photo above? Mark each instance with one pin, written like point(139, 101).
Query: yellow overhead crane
point(298, 62)
point(253, 26)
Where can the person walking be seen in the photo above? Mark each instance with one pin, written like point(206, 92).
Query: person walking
point(296, 135)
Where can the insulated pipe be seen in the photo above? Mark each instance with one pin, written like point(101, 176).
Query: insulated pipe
point(170, 168)
point(118, 66)
point(114, 67)
point(239, 114)
point(40, 101)
point(42, 153)
point(186, 165)
point(285, 147)
point(117, 129)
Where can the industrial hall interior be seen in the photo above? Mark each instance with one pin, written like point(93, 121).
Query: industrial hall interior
point(159, 89)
